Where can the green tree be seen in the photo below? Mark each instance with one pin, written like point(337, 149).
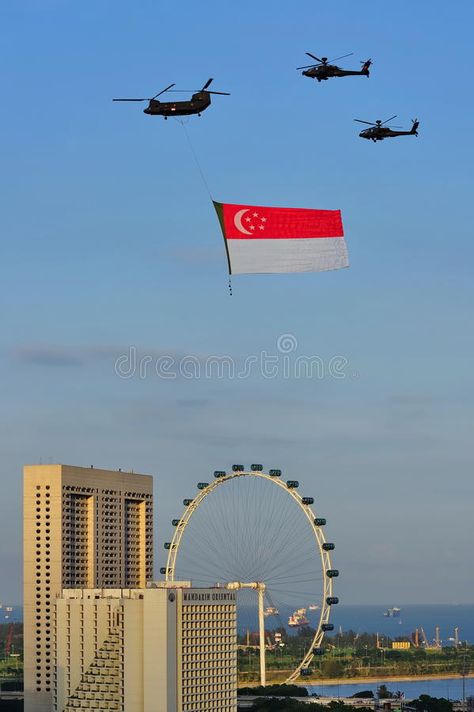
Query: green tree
point(383, 692)
point(332, 668)
point(425, 703)
point(364, 694)
point(276, 690)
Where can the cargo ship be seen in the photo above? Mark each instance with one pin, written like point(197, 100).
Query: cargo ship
point(392, 612)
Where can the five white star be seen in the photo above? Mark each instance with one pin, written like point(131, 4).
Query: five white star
point(260, 222)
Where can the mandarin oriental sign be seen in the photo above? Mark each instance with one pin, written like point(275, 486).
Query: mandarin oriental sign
point(208, 596)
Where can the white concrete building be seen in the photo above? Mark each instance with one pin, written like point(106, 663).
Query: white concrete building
point(164, 648)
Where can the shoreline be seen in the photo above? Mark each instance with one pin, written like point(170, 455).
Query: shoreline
point(314, 682)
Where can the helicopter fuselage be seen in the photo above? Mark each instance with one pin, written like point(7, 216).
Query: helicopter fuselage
point(198, 103)
point(377, 133)
point(326, 71)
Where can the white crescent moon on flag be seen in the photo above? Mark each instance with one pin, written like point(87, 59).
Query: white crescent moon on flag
point(238, 221)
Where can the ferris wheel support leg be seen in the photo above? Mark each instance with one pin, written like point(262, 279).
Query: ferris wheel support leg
point(261, 630)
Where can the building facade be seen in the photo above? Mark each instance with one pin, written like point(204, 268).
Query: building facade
point(83, 527)
point(166, 648)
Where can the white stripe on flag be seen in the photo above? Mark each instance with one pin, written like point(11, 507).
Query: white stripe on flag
point(292, 255)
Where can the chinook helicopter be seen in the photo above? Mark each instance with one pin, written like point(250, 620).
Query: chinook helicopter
point(378, 131)
point(199, 101)
point(323, 70)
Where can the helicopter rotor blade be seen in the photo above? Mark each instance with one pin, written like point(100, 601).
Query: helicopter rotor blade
point(313, 56)
point(387, 120)
point(207, 84)
point(192, 91)
point(370, 123)
point(162, 92)
point(342, 57)
point(130, 99)
point(307, 66)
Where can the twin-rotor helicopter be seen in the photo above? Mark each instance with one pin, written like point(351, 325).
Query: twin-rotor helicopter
point(198, 103)
point(321, 71)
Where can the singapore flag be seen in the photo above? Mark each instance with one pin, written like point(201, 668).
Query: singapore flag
point(263, 239)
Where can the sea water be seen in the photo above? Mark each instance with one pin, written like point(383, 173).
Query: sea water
point(371, 619)
point(451, 689)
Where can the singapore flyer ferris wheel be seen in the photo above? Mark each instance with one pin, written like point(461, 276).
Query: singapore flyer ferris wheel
point(252, 532)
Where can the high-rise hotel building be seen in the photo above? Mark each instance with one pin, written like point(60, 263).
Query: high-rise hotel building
point(83, 528)
point(166, 648)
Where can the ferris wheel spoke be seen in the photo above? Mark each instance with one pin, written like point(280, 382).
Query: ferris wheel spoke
point(283, 579)
point(295, 567)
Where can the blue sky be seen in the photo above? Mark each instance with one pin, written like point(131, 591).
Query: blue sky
point(109, 241)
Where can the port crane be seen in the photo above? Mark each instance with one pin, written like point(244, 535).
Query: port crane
point(419, 638)
point(424, 638)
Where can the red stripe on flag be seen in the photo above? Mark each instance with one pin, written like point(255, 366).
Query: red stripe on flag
point(250, 222)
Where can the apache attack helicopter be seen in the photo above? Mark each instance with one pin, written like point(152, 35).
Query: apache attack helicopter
point(199, 101)
point(378, 131)
point(323, 70)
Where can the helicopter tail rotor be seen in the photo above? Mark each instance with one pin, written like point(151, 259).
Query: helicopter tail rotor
point(366, 67)
point(414, 128)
